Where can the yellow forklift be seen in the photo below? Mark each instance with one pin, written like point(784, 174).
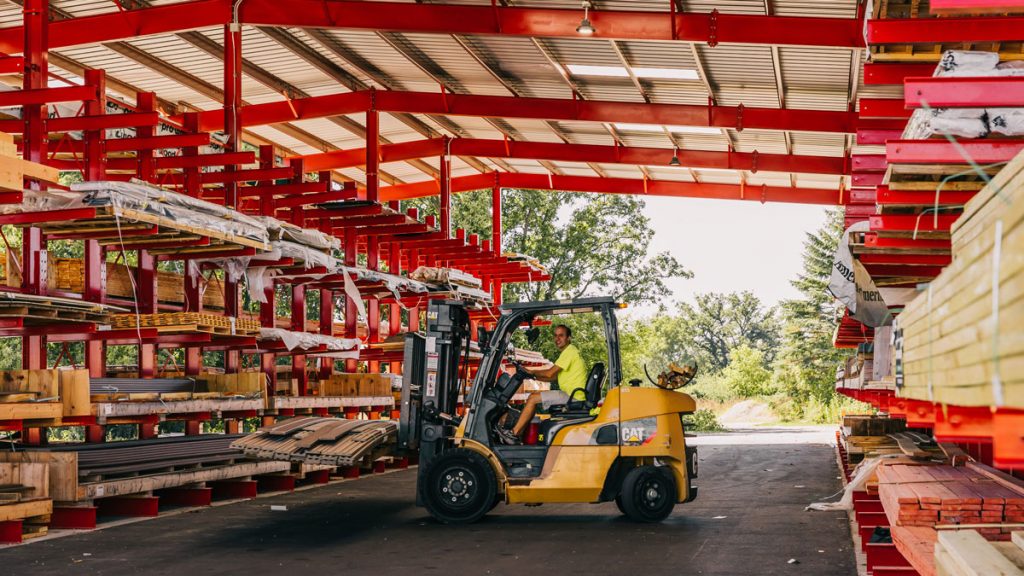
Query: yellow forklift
point(631, 450)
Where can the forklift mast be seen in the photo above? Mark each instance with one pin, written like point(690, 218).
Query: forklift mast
point(430, 382)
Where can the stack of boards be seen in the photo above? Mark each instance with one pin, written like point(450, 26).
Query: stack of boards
point(962, 343)
point(322, 441)
point(967, 553)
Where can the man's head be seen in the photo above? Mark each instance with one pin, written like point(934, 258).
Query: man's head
point(563, 336)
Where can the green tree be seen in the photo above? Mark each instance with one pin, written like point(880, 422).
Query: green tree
point(805, 368)
point(708, 330)
point(591, 244)
point(746, 374)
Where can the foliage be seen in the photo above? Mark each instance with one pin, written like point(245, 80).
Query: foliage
point(708, 330)
point(591, 244)
point(703, 420)
point(712, 387)
point(804, 371)
point(746, 374)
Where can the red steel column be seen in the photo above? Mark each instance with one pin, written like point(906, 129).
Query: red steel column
point(372, 154)
point(394, 310)
point(351, 312)
point(95, 256)
point(299, 325)
point(267, 162)
point(268, 319)
point(232, 102)
point(36, 19)
point(233, 130)
point(373, 304)
point(193, 303)
point(496, 236)
point(326, 327)
point(145, 277)
point(190, 120)
point(445, 212)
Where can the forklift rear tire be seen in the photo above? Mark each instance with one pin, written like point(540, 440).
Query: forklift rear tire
point(648, 494)
point(461, 487)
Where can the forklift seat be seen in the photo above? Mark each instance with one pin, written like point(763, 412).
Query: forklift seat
point(591, 394)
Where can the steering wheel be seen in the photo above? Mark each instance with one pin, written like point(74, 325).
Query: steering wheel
point(521, 371)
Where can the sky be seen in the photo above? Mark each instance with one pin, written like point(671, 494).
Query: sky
point(732, 246)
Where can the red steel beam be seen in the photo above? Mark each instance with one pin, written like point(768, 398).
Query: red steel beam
point(883, 108)
point(939, 30)
point(79, 123)
point(989, 151)
point(177, 162)
point(975, 6)
point(876, 241)
point(563, 109)
point(752, 161)
point(878, 73)
point(47, 95)
point(886, 197)
point(981, 92)
point(669, 25)
point(907, 259)
point(911, 222)
point(619, 186)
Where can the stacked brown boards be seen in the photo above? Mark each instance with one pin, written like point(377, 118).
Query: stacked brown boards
point(962, 342)
point(936, 495)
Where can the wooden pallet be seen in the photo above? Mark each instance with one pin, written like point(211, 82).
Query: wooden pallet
point(41, 310)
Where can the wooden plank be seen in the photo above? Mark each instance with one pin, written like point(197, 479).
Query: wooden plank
point(143, 484)
point(967, 553)
point(25, 509)
point(30, 410)
point(62, 470)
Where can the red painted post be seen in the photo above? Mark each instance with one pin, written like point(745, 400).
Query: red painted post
point(33, 436)
point(275, 483)
point(299, 324)
point(193, 427)
point(372, 154)
point(232, 102)
point(373, 304)
point(95, 434)
point(266, 163)
point(326, 327)
point(351, 311)
point(36, 20)
point(186, 496)
point(233, 489)
point(190, 121)
point(95, 260)
point(446, 192)
point(496, 237)
point(394, 310)
point(147, 304)
point(147, 430)
point(145, 102)
point(268, 318)
point(10, 532)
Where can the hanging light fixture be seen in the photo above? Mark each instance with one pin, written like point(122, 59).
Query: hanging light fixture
point(585, 28)
point(675, 158)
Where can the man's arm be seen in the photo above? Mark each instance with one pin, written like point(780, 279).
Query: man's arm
point(549, 374)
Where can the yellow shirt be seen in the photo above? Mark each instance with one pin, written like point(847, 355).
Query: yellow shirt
point(573, 374)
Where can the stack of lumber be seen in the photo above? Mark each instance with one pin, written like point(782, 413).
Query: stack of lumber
point(954, 347)
point(872, 425)
point(176, 322)
point(79, 472)
point(356, 385)
point(242, 383)
point(15, 169)
point(922, 495)
point(928, 52)
point(324, 441)
point(445, 276)
point(967, 553)
point(24, 496)
point(44, 310)
point(68, 275)
point(43, 394)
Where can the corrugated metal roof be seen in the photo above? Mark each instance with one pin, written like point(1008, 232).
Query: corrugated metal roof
point(810, 78)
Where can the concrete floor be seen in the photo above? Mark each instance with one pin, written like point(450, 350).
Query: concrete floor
point(748, 519)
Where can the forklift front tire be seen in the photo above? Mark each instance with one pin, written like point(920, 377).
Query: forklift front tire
point(461, 487)
point(648, 494)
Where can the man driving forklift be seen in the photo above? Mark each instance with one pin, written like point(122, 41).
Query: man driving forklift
point(569, 372)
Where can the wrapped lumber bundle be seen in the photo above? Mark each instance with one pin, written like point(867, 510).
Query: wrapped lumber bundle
point(307, 340)
point(445, 276)
point(962, 338)
point(969, 122)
